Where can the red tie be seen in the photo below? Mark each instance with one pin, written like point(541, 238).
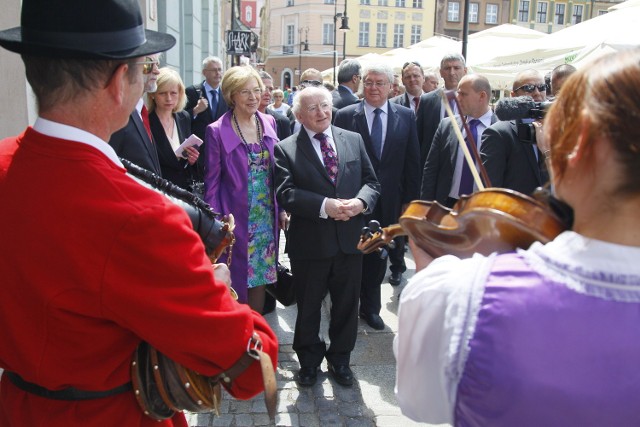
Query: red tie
point(145, 120)
point(416, 101)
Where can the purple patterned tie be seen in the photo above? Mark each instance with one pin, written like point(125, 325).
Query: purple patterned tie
point(328, 157)
point(466, 178)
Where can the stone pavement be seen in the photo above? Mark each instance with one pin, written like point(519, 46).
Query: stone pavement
point(371, 400)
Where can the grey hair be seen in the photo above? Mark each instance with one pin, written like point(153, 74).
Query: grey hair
point(210, 60)
point(449, 57)
point(264, 75)
point(348, 69)
point(378, 69)
point(310, 91)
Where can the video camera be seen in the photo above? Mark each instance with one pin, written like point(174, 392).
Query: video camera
point(522, 109)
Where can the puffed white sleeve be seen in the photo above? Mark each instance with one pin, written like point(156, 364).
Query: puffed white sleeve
point(436, 318)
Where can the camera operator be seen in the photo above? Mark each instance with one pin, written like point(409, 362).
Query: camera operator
point(512, 159)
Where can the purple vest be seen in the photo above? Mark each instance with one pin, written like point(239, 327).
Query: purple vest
point(543, 354)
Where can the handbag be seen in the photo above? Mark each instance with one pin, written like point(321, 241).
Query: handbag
point(283, 290)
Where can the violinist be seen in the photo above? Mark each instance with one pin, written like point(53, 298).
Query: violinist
point(545, 336)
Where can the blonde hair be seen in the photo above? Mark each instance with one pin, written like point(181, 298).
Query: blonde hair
point(234, 80)
point(167, 77)
point(277, 92)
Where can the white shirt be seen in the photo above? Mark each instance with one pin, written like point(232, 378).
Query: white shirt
point(70, 133)
point(440, 304)
point(316, 146)
point(485, 122)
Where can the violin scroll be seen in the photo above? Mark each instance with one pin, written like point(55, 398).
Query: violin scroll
point(375, 238)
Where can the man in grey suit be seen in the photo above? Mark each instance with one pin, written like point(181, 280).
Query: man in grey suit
point(446, 174)
point(431, 109)
point(134, 142)
point(510, 162)
point(348, 83)
point(389, 133)
point(325, 180)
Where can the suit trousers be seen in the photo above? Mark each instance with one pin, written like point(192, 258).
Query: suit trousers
point(374, 267)
point(396, 256)
point(340, 276)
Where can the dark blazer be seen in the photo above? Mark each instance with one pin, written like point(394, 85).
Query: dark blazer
point(342, 97)
point(175, 170)
point(509, 162)
point(403, 100)
point(283, 125)
point(200, 122)
point(428, 119)
point(132, 143)
point(302, 184)
point(398, 170)
point(440, 166)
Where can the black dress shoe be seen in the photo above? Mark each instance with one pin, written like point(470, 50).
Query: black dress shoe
point(395, 278)
point(307, 376)
point(373, 320)
point(342, 374)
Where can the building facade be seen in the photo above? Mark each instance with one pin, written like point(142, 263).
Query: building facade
point(483, 14)
point(552, 15)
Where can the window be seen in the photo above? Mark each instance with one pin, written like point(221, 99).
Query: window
point(383, 2)
point(523, 11)
point(290, 35)
point(289, 3)
point(577, 14)
point(363, 35)
point(492, 14)
point(417, 4)
point(329, 2)
point(453, 11)
point(541, 16)
point(398, 35)
point(327, 33)
point(381, 35)
point(400, 3)
point(416, 34)
point(559, 19)
point(473, 13)
point(365, 2)
point(602, 12)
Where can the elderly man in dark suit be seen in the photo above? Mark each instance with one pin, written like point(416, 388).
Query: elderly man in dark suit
point(325, 180)
point(134, 142)
point(446, 174)
point(510, 162)
point(348, 83)
point(431, 109)
point(389, 133)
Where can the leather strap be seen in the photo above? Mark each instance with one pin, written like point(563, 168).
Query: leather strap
point(69, 393)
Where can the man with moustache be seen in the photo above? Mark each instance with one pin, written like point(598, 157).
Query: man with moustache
point(509, 162)
point(431, 109)
point(325, 180)
point(389, 133)
point(134, 142)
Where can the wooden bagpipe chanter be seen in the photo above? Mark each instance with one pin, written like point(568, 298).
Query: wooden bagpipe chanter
point(489, 220)
point(163, 387)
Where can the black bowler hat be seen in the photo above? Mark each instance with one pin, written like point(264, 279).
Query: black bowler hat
point(84, 29)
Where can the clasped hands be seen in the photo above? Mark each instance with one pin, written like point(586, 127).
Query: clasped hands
point(343, 209)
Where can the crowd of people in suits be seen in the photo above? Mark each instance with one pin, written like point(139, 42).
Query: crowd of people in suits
point(264, 160)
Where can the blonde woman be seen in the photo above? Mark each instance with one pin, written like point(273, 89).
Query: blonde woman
point(239, 181)
point(170, 126)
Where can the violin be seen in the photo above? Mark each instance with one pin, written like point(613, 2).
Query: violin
point(491, 220)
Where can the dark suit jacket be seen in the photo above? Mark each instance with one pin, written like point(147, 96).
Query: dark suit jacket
point(403, 100)
point(175, 170)
point(204, 119)
point(509, 162)
point(428, 119)
point(302, 184)
point(132, 143)
point(398, 170)
point(440, 166)
point(342, 97)
point(283, 125)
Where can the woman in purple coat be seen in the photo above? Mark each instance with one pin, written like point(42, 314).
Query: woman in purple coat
point(239, 181)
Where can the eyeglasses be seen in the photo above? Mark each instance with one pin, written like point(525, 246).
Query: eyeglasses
point(313, 83)
point(369, 84)
point(406, 64)
point(245, 93)
point(529, 88)
point(323, 106)
point(147, 64)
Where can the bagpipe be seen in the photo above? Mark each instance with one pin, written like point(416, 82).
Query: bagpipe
point(163, 387)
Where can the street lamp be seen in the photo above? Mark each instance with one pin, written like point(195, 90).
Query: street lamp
point(304, 43)
point(344, 27)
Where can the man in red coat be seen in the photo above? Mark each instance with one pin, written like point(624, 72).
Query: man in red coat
point(92, 263)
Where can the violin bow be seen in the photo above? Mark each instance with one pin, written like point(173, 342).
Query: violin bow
point(467, 154)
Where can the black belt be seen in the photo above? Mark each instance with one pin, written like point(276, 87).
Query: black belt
point(69, 393)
